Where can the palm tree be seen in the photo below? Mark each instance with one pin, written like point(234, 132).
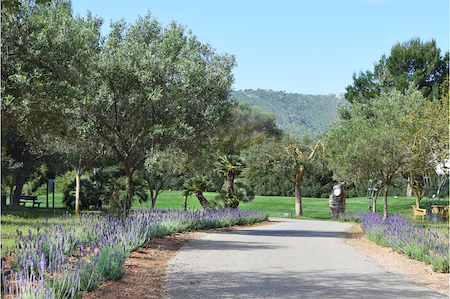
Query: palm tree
point(240, 192)
point(231, 166)
point(196, 185)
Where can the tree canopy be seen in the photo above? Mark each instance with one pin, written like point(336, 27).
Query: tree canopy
point(362, 147)
point(160, 87)
point(142, 87)
point(45, 54)
point(46, 65)
point(412, 63)
point(247, 126)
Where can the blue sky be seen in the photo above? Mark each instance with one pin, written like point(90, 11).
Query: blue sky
point(297, 46)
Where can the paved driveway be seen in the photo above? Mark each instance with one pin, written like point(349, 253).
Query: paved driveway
point(290, 259)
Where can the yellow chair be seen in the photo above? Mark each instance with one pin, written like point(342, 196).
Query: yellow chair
point(440, 210)
point(419, 212)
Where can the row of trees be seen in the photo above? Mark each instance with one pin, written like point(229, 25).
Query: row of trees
point(397, 121)
point(68, 90)
point(395, 126)
point(151, 98)
point(156, 101)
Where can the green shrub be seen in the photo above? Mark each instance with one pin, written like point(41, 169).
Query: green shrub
point(89, 195)
point(61, 182)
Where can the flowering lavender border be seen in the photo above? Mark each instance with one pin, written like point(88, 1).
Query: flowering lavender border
point(76, 254)
point(429, 245)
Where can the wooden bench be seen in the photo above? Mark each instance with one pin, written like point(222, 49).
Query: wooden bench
point(419, 212)
point(31, 199)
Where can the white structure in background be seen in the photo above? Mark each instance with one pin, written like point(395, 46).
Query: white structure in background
point(443, 168)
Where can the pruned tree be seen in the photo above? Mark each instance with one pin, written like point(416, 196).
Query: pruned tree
point(288, 159)
point(412, 64)
point(427, 139)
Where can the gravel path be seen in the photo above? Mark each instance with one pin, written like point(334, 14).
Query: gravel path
point(290, 259)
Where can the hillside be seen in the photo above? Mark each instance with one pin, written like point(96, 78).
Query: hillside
point(297, 114)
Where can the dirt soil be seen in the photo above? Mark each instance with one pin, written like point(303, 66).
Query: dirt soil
point(145, 274)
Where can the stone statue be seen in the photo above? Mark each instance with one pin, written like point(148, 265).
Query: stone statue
point(337, 201)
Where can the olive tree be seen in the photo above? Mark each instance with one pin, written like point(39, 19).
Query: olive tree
point(427, 139)
point(46, 67)
point(160, 168)
point(371, 144)
point(160, 87)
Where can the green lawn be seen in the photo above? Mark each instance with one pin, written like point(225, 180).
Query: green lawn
point(313, 208)
point(316, 208)
point(24, 219)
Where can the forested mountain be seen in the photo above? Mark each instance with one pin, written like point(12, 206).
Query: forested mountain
point(297, 114)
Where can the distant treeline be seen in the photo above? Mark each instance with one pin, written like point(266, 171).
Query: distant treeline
point(297, 114)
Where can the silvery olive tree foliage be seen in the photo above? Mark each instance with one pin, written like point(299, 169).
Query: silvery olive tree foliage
point(47, 67)
point(374, 147)
point(160, 87)
point(142, 87)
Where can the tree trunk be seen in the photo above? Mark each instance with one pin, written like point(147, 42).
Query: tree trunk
point(205, 203)
point(11, 194)
point(152, 194)
point(11, 187)
point(409, 190)
point(298, 195)
point(77, 192)
point(128, 187)
point(374, 208)
point(150, 189)
point(230, 182)
point(20, 181)
point(385, 207)
point(416, 192)
point(153, 198)
point(185, 203)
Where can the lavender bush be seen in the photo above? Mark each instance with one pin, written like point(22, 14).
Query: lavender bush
point(429, 245)
point(74, 255)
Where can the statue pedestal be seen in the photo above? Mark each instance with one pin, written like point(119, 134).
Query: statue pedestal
point(337, 202)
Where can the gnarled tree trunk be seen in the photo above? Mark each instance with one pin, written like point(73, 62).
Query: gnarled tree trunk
point(203, 201)
point(230, 182)
point(20, 181)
